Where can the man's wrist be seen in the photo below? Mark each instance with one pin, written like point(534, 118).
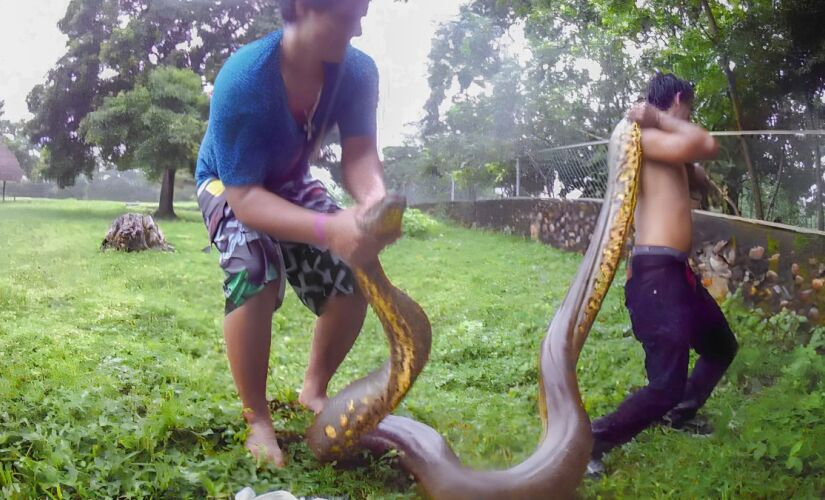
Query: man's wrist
point(372, 198)
point(319, 227)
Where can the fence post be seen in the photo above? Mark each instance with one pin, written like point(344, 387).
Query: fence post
point(452, 187)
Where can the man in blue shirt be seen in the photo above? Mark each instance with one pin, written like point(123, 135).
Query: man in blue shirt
point(272, 103)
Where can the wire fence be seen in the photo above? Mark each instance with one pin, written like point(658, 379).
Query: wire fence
point(770, 175)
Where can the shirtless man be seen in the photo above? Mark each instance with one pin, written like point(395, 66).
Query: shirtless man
point(670, 310)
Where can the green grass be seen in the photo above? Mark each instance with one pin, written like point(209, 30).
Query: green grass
point(114, 381)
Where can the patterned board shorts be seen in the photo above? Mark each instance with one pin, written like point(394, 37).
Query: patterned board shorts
point(251, 260)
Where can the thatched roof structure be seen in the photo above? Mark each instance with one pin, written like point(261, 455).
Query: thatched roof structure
point(10, 170)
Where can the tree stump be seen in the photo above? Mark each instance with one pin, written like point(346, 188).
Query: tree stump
point(135, 233)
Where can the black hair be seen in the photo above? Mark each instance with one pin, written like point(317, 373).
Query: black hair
point(289, 10)
point(663, 87)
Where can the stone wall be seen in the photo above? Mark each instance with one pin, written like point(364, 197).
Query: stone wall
point(562, 224)
point(776, 266)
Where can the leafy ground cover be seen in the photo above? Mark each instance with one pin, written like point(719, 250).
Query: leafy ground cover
point(114, 381)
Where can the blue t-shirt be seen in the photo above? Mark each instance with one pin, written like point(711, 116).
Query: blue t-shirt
point(252, 137)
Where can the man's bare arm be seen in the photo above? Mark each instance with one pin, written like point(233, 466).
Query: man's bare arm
point(363, 174)
point(264, 211)
point(362, 170)
point(667, 139)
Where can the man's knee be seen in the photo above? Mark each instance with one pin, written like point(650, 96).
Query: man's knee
point(667, 391)
point(667, 370)
point(664, 400)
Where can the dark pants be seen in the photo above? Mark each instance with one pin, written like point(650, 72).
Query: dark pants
point(671, 312)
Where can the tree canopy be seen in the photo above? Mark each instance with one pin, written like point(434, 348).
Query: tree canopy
point(156, 127)
point(113, 47)
point(756, 64)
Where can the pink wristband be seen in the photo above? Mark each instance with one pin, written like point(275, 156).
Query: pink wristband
point(320, 230)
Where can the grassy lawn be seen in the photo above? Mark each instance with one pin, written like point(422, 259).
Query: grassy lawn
point(114, 380)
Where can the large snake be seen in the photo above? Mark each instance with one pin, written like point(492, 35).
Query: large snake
point(358, 416)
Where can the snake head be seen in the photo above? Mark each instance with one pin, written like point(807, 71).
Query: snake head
point(383, 219)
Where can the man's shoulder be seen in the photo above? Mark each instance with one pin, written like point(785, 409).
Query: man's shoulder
point(359, 67)
point(247, 69)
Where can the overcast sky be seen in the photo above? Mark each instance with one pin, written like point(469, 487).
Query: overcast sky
point(397, 35)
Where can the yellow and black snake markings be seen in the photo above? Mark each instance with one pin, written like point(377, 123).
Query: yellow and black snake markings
point(343, 436)
point(359, 408)
point(627, 178)
point(556, 467)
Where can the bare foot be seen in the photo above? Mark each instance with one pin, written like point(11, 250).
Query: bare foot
point(314, 402)
point(262, 444)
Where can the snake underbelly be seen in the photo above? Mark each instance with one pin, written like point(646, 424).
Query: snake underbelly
point(358, 416)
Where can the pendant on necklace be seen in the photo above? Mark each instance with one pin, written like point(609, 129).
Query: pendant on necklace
point(309, 129)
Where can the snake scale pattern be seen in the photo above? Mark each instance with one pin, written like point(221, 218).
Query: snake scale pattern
point(359, 416)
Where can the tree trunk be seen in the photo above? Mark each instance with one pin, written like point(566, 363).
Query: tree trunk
point(167, 196)
point(135, 233)
point(734, 193)
point(728, 206)
point(769, 210)
point(737, 112)
point(4, 191)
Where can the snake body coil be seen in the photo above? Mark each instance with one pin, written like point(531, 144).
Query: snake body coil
point(359, 416)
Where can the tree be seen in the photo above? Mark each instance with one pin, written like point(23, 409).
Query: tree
point(113, 44)
point(738, 53)
point(807, 77)
point(463, 51)
point(71, 91)
point(756, 64)
point(726, 64)
point(156, 127)
point(503, 110)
